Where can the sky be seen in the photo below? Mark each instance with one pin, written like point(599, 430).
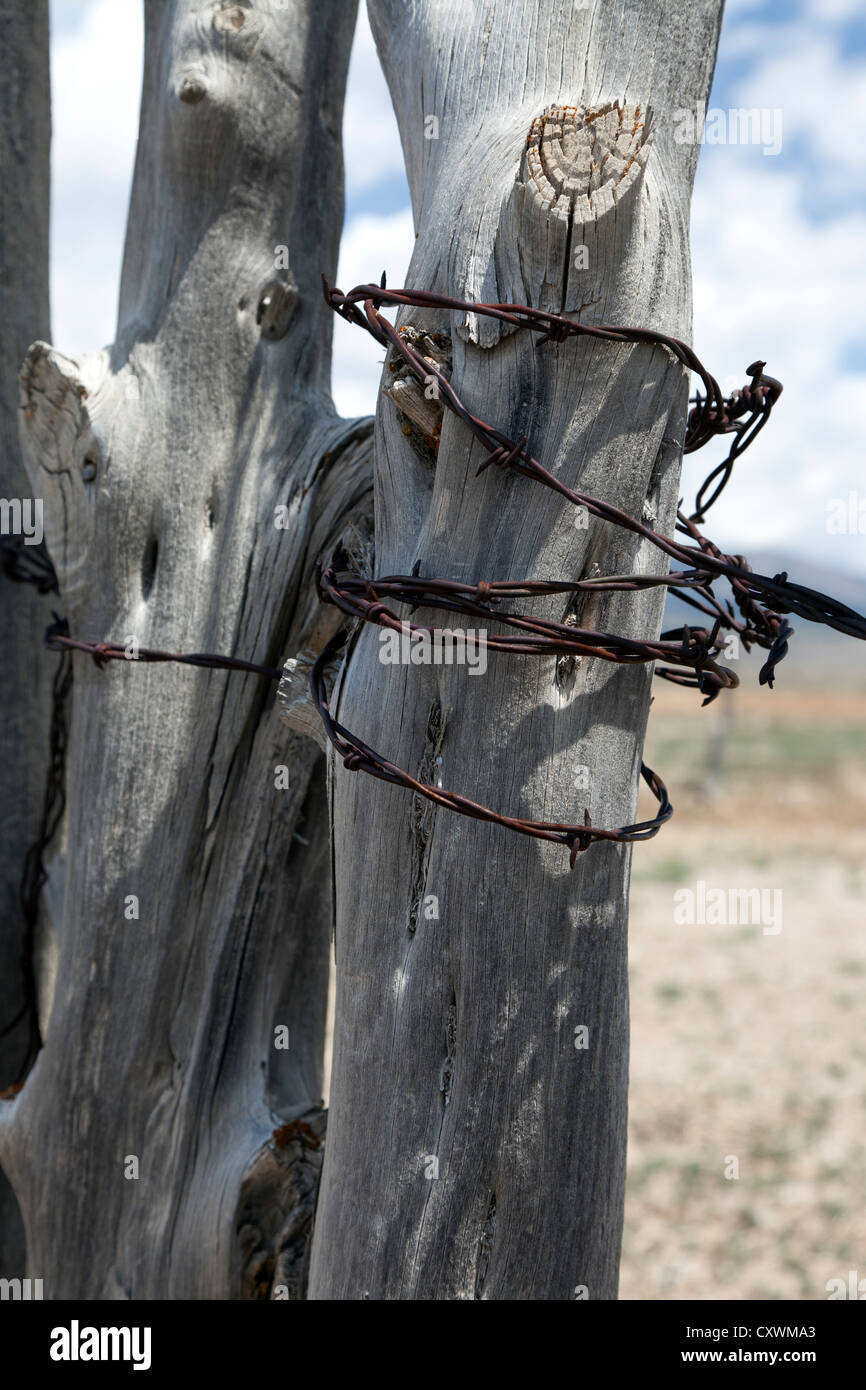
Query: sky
point(778, 242)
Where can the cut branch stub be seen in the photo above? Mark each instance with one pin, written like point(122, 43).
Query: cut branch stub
point(63, 454)
point(296, 706)
point(419, 405)
point(570, 211)
point(230, 19)
point(583, 159)
point(574, 197)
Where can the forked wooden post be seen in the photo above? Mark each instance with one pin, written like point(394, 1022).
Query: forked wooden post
point(195, 920)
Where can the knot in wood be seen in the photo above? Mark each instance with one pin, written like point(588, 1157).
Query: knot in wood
point(192, 91)
point(230, 19)
point(575, 153)
point(275, 308)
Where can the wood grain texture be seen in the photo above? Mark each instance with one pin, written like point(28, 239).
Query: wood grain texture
point(163, 461)
point(25, 669)
point(467, 957)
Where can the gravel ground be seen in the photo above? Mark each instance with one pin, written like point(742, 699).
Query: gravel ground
point(749, 1048)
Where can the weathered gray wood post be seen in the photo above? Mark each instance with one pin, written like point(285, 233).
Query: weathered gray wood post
point(25, 669)
point(195, 921)
point(475, 1146)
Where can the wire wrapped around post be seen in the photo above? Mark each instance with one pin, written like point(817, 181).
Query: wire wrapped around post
point(360, 757)
point(691, 654)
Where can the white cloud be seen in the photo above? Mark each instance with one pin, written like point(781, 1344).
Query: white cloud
point(735, 9)
point(834, 10)
point(780, 273)
point(771, 283)
point(96, 87)
point(371, 140)
point(370, 245)
point(823, 101)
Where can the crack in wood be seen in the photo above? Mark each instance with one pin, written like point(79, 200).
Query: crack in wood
point(485, 1246)
point(446, 1076)
point(423, 815)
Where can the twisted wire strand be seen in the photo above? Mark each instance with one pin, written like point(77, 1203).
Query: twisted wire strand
point(691, 653)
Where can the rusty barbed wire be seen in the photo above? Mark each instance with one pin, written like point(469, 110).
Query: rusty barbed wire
point(691, 653)
point(360, 757)
point(57, 638)
point(362, 598)
point(704, 558)
point(743, 413)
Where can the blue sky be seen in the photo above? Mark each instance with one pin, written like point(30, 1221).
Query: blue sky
point(778, 242)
